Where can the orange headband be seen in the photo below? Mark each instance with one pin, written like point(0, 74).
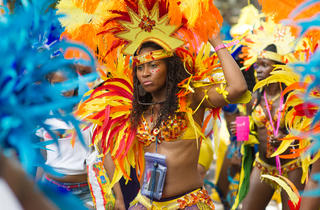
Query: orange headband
point(151, 56)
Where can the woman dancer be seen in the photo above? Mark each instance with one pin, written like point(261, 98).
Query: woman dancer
point(164, 122)
point(268, 114)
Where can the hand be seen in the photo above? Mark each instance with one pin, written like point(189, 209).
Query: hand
point(233, 128)
point(119, 205)
point(275, 140)
point(215, 40)
point(236, 159)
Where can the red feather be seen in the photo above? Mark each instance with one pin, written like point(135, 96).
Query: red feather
point(294, 207)
point(306, 109)
point(130, 139)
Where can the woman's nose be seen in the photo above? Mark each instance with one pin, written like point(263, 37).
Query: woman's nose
point(258, 69)
point(146, 71)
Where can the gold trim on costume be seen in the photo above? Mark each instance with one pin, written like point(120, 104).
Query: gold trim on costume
point(266, 168)
point(151, 56)
point(271, 55)
point(199, 197)
point(222, 91)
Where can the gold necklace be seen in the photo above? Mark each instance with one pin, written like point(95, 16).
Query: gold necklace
point(274, 98)
point(154, 118)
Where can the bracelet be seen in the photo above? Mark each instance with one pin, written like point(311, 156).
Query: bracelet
point(219, 47)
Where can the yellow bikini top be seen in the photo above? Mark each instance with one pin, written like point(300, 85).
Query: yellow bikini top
point(177, 127)
point(261, 120)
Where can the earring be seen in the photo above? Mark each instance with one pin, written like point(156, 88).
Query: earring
point(141, 91)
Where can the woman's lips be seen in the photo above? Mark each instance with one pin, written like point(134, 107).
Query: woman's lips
point(260, 76)
point(146, 83)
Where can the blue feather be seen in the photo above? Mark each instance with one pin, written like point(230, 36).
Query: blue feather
point(30, 49)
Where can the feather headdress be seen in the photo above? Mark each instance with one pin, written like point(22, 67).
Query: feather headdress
point(265, 34)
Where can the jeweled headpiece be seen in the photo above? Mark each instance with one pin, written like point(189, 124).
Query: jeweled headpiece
point(165, 22)
point(148, 26)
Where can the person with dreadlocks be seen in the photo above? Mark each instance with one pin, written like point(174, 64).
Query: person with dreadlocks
point(149, 114)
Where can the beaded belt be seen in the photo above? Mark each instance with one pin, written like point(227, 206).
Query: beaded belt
point(197, 197)
point(67, 185)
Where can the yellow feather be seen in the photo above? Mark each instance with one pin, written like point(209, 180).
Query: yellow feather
point(117, 143)
point(75, 15)
point(293, 196)
point(283, 147)
point(131, 158)
point(120, 113)
point(285, 77)
point(191, 9)
point(116, 176)
point(305, 163)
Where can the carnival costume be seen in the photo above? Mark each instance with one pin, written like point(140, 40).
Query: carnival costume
point(180, 28)
point(287, 115)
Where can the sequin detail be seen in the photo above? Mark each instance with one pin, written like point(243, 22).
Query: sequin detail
point(167, 131)
point(194, 198)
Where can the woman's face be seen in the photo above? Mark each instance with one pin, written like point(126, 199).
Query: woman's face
point(152, 75)
point(263, 68)
point(58, 77)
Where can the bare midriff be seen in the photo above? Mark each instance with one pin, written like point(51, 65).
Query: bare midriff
point(69, 178)
point(262, 136)
point(182, 160)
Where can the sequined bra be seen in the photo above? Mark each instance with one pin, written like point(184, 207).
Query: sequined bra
point(176, 127)
point(260, 119)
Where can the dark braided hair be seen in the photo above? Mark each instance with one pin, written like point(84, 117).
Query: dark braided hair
point(175, 74)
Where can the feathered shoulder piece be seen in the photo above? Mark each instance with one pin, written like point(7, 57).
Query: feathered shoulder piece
point(109, 109)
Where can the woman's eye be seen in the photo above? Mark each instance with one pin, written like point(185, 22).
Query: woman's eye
point(154, 65)
point(139, 68)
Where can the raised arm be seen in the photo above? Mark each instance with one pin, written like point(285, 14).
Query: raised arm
point(235, 83)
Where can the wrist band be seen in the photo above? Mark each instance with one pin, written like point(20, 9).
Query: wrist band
point(221, 46)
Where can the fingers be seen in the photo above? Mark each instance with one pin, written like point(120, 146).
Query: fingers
point(233, 128)
point(275, 142)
